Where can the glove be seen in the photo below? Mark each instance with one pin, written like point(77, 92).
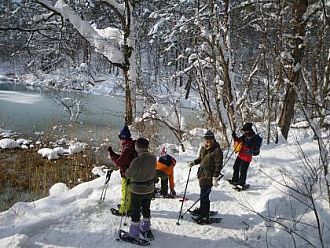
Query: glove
point(173, 192)
point(191, 164)
point(215, 182)
point(110, 150)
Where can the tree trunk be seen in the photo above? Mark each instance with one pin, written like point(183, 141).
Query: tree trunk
point(293, 74)
point(128, 100)
point(287, 111)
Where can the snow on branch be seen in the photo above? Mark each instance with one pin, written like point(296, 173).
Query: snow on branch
point(106, 41)
point(119, 7)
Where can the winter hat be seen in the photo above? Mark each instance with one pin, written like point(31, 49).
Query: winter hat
point(141, 145)
point(125, 134)
point(247, 127)
point(209, 135)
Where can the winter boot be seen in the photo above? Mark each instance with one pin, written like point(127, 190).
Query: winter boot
point(204, 217)
point(145, 229)
point(134, 231)
point(232, 182)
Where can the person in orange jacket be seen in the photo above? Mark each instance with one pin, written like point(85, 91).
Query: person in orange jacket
point(165, 171)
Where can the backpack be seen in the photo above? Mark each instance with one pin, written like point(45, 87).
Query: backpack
point(257, 142)
point(166, 159)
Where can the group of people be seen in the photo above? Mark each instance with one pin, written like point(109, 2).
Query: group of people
point(140, 171)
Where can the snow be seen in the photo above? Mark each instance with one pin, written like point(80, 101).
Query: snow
point(57, 151)
point(58, 189)
point(8, 144)
point(76, 218)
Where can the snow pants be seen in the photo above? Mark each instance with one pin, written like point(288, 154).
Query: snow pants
point(140, 203)
point(240, 171)
point(125, 203)
point(205, 201)
point(163, 181)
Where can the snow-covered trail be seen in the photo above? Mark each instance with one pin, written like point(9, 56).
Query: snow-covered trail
point(75, 218)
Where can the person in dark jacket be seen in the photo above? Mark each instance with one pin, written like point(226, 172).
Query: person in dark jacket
point(141, 173)
point(122, 162)
point(211, 162)
point(244, 146)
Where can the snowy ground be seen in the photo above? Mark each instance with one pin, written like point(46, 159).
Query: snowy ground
point(76, 218)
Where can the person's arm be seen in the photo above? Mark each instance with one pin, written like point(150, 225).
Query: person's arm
point(124, 159)
point(199, 159)
point(218, 162)
point(113, 155)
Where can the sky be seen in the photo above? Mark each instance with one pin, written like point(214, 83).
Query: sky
point(77, 218)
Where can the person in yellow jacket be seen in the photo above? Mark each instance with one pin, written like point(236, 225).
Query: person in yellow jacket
point(165, 171)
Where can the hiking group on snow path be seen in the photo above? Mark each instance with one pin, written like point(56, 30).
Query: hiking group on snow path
point(140, 171)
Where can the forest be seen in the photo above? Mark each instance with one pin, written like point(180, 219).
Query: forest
point(265, 61)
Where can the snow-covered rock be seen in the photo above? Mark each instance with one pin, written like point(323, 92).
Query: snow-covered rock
point(8, 143)
point(49, 153)
point(60, 150)
point(99, 170)
point(58, 188)
point(76, 148)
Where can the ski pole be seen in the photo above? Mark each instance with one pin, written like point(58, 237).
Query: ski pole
point(228, 158)
point(184, 196)
point(105, 186)
point(188, 210)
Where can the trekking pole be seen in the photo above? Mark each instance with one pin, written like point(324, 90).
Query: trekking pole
point(188, 210)
point(105, 186)
point(184, 196)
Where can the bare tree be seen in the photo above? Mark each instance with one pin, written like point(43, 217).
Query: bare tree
point(116, 44)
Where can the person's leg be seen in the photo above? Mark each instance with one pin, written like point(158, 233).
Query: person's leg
point(164, 186)
point(125, 203)
point(134, 229)
point(236, 171)
point(244, 166)
point(164, 182)
point(205, 202)
point(145, 223)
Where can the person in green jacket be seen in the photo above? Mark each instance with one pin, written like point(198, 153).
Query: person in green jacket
point(141, 173)
point(210, 162)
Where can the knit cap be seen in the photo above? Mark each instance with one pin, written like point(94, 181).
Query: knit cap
point(209, 135)
point(247, 127)
point(124, 134)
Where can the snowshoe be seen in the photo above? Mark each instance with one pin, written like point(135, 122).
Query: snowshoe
point(148, 235)
point(169, 196)
point(196, 212)
point(116, 212)
point(124, 236)
point(206, 221)
point(240, 188)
